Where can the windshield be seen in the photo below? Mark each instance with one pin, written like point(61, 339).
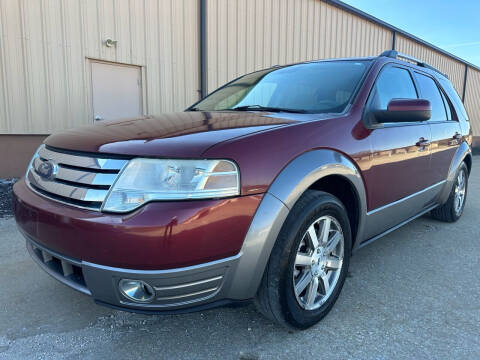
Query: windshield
point(317, 87)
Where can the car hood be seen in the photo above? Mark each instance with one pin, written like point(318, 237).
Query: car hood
point(183, 134)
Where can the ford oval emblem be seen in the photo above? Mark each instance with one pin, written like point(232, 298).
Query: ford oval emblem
point(47, 170)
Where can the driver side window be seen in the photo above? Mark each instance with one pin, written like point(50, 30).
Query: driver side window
point(392, 83)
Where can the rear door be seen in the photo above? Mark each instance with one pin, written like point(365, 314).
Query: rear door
point(444, 125)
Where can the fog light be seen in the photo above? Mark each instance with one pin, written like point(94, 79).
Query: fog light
point(136, 290)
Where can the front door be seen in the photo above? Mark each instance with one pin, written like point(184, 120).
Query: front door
point(116, 91)
point(401, 156)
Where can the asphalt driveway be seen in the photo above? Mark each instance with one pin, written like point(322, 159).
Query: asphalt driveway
point(413, 294)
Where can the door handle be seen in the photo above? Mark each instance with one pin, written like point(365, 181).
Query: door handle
point(456, 139)
point(422, 142)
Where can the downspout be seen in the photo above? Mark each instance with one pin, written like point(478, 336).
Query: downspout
point(394, 38)
point(203, 48)
point(465, 83)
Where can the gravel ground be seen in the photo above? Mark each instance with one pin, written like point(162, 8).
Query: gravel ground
point(6, 197)
point(413, 294)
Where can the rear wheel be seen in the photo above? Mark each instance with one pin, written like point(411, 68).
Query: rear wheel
point(452, 210)
point(308, 264)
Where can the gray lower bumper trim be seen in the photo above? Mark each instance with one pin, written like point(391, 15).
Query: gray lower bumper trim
point(175, 289)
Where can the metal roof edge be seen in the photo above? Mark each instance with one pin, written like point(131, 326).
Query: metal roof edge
point(358, 12)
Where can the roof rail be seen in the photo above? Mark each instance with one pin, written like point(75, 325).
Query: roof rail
point(396, 55)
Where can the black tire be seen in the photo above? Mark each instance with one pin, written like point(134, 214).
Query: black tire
point(448, 212)
point(276, 297)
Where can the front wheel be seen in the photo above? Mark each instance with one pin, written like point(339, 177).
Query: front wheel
point(309, 262)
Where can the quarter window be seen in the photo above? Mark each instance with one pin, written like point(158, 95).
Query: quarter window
point(429, 90)
point(392, 83)
point(454, 98)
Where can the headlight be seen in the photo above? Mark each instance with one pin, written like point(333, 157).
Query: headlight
point(144, 180)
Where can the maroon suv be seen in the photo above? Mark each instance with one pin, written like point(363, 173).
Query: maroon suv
point(261, 190)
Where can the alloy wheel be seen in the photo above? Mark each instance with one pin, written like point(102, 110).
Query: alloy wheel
point(460, 189)
point(318, 262)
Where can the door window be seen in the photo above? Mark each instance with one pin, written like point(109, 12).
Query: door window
point(392, 83)
point(429, 90)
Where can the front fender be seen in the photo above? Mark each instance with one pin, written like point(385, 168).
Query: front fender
point(308, 168)
point(283, 193)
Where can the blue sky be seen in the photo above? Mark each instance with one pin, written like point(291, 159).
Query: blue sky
point(451, 25)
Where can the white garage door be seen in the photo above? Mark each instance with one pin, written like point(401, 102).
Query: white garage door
point(116, 91)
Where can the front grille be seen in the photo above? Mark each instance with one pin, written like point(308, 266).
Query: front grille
point(66, 270)
point(74, 179)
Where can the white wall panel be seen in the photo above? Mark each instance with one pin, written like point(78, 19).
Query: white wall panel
point(45, 80)
point(247, 35)
point(453, 68)
point(472, 99)
point(45, 46)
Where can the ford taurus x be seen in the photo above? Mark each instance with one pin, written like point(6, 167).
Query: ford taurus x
point(262, 190)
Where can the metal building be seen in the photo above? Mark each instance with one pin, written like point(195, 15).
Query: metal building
point(66, 63)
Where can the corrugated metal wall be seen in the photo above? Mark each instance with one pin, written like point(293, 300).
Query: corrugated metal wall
point(44, 47)
point(45, 44)
point(455, 69)
point(247, 35)
point(472, 99)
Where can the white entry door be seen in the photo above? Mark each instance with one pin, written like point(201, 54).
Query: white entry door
point(116, 91)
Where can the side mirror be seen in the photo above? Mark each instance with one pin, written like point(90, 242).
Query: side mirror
point(404, 110)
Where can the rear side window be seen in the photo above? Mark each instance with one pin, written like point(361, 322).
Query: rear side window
point(392, 83)
point(429, 90)
point(455, 99)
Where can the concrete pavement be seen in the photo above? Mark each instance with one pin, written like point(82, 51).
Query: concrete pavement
point(413, 294)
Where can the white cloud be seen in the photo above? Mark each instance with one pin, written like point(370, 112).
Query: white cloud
point(457, 45)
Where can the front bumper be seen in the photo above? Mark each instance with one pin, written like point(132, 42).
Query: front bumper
point(195, 254)
point(175, 289)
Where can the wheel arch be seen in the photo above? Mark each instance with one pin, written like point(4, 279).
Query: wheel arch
point(463, 154)
point(302, 173)
point(468, 160)
point(345, 191)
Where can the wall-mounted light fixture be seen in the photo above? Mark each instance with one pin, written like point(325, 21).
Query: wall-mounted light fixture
point(110, 42)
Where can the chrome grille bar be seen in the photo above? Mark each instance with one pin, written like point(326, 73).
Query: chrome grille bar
point(189, 290)
point(174, 287)
point(81, 161)
point(80, 176)
point(77, 180)
point(66, 191)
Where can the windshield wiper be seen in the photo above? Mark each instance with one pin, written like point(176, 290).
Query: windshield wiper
point(266, 108)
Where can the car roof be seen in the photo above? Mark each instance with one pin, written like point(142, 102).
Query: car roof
point(386, 56)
